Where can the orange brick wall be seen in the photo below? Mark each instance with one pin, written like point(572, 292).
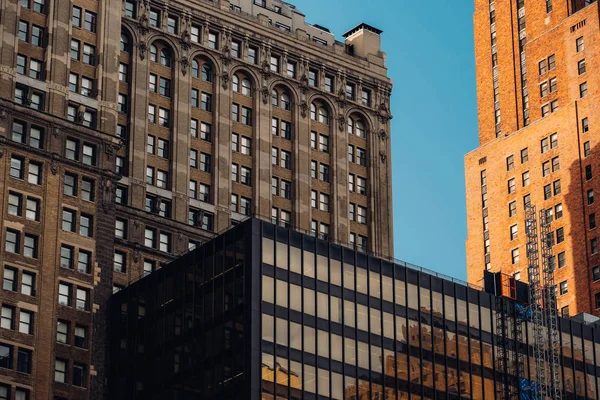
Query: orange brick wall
point(547, 34)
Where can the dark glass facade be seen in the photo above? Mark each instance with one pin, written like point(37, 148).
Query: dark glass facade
point(263, 312)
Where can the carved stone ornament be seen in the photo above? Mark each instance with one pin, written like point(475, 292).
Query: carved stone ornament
point(303, 84)
point(341, 122)
point(383, 156)
point(185, 63)
point(3, 114)
point(383, 134)
point(185, 39)
point(142, 47)
point(56, 132)
point(80, 114)
point(265, 69)
point(143, 24)
point(136, 255)
point(341, 98)
point(383, 113)
point(53, 167)
point(226, 55)
point(303, 108)
point(265, 94)
point(224, 79)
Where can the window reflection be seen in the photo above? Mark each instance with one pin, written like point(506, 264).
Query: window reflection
point(267, 251)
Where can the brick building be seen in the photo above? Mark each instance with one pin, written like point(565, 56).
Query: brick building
point(131, 131)
point(538, 107)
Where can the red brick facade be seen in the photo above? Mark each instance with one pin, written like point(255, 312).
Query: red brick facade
point(521, 158)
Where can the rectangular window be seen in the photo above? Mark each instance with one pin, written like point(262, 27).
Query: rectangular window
point(154, 18)
point(10, 279)
point(81, 302)
point(89, 54)
point(205, 162)
point(172, 25)
point(64, 294)
point(579, 46)
point(252, 55)
point(60, 369)
point(26, 322)
point(212, 41)
point(581, 67)
point(84, 261)
point(90, 21)
point(76, 17)
point(592, 221)
point(510, 163)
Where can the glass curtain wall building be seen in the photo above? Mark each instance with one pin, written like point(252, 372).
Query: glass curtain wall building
point(264, 312)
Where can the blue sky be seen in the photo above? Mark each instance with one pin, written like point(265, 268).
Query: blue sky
point(429, 48)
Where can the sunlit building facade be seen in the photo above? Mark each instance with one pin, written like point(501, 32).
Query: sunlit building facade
point(263, 312)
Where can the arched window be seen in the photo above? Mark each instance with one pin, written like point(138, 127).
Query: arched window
point(350, 126)
point(165, 57)
point(153, 53)
point(313, 112)
point(195, 69)
point(246, 87)
point(207, 75)
point(323, 115)
point(285, 101)
point(360, 129)
point(235, 83)
point(275, 98)
point(124, 42)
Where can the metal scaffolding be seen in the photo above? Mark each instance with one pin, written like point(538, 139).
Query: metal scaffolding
point(535, 302)
point(552, 390)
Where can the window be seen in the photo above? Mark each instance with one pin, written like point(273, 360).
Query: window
point(90, 21)
point(291, 69)
point(324, 202)
point(246, 116)
point(515, 256)
point(27, 284)
point(15, 204)
point(579, 46)
point(121, 195)
point(164, 242)
point(164, 87)
point(581, 67)
point(80, 337)
point(514, 232)
point(246, 176)
point(172, 25)
point(6, 317)
point(68, 220)
point(274, 64)
point(17, 167)
point(60, 366)
point(245, 206)
point(285, 189)
point(84, 262)
point(556, 186)
point(350, 91)
point(592, 220)
point(163, 148)
point(596, 277)
point(81, 302)
point(588, 172)
point(5, 356)
point(246, 146)
point(510, 163)
point(35, 173)
point(324, 172)
point(154, 18)
point(553, 85)
point(89, 54)
point(24, 360)
point(206, 102)
point(545, 110)
point(20, 394)
point(361, 215)
point(234, 203)
point(555, 164)
point(234, 173)
point(366, 98)
point(525, 178)
point(163, 117)
point(30, 246)
point(32, 211)
point(204, 162)
point(361, 185)
point(10, 279)
point(235, 49)
point(324, 143)
point(564, 288)
point(252, 55)
point(560, 235)
point(594, 245)
point(212, 41)
point(586, 149)
point(544, 89)
point(204, 193)
point(86, 227)
point(76, 17)
point(26, 322)
point(64, 294)
point(12, 244)
point(66, 256)
point(512, 209)
point(583, 89)
point(558, 211)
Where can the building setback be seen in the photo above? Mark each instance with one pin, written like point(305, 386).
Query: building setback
point(264, 312)
point(132, 131)
point(537, 101)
